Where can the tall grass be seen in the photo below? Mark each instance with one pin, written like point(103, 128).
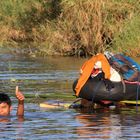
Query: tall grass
point(65, 27)
point(128, 39)
point(93, 25)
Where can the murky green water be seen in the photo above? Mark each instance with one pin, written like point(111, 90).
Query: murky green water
point(49, 75)
point(55, 75)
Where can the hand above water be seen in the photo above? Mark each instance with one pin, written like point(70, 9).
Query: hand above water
point(20, 97)
point(19, 94)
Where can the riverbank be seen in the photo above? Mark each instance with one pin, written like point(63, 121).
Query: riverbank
point(70, 27)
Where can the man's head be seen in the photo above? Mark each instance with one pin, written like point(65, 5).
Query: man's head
point(5, 104)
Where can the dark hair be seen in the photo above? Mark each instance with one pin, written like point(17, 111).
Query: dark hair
point(4, 98)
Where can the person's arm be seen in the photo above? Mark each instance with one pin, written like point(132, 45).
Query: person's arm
point(20, 97)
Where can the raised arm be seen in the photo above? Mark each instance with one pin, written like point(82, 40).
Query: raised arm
point(20, 97)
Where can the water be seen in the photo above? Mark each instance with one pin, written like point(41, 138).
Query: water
point(54, 75)
point(49, 75)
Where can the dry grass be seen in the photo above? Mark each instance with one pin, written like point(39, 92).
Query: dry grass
point(92, 25)
point(65, 27)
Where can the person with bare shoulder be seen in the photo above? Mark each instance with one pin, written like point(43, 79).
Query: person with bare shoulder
point(6, 103)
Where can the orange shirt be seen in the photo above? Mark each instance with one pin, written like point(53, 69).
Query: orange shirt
point(87, 68)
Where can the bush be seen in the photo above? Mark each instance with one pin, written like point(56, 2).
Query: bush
point(71, 27)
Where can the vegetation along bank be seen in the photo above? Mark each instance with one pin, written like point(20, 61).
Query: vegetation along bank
point(70, 27)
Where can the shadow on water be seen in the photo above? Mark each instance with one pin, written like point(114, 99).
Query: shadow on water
point(54, 76)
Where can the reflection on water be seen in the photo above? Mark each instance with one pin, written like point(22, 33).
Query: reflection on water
point(55, 75)
point(107, 124)
point(73, 124)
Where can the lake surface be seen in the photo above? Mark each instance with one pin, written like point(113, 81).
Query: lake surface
point(55, 75)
